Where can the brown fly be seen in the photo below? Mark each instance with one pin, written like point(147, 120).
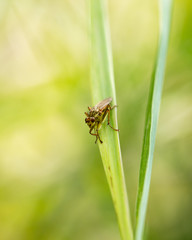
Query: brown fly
point(97, 115)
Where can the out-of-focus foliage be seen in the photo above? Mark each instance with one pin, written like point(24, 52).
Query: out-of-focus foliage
point(52, 181)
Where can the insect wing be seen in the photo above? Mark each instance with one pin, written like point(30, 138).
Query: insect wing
point(101, 105)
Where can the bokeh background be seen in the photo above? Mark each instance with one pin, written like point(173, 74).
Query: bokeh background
point(52, 183)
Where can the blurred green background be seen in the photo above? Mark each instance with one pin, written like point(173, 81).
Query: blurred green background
point(52, 182)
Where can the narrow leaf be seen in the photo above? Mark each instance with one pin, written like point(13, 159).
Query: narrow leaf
point(103, 86)
point(152, 117)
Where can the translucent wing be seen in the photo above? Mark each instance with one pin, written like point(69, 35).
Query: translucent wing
point(101, 105)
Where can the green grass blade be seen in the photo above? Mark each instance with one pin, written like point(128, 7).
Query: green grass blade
point(103, 86)
point(152, 117)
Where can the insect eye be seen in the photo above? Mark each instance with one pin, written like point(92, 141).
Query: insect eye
point(86, 120)
point(92, 119)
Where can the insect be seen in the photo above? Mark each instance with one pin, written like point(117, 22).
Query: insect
point(97, 115)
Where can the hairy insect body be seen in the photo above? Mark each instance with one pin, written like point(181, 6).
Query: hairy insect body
point(97, 115)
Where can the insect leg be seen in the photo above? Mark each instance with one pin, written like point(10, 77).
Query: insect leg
point(98, 135)
point(110, 108)
point(95, 134)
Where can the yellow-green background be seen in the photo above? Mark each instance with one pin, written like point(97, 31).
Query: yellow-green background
point(52, 183)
